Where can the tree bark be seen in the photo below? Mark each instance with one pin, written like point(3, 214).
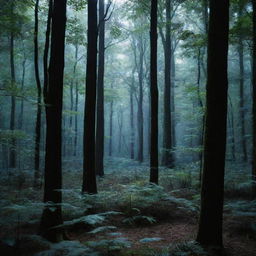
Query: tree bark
point(89, 177)
point(111, 112)
point(154, 95)
point(39, 101)
point(76, 119)
point(254, 101)
point(13, 155)
point(52, 215)
point(132, 136)
point(167, 156)
point(211, 214)
point(100, 93)
point(140, 103)
point(241, 88)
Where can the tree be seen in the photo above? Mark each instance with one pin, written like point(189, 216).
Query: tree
point(39, 99)
point(241, 82)
point(254, 101)
point(210, 223)
point(100, 93)
point(52, 215)
point(153, 95)
point(167, 156)
point(89, 177)
point(12, 156)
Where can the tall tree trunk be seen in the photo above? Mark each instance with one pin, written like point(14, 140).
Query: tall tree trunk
point(52, 215)
point(200, 105)
point(100, 93)
point(120, 125)
point(232, 129)
point(89, 177)
point(167, 156)
point(76, 119)
point(173, 122)
point(211, 214)
point(254, 102)
point(73, 80)
point(13, 155)
point(140, 103)
point(154, 95)
point(39, 101)
point(21, 115)
point(111, 112)
point(241, 88)
point(132, 136)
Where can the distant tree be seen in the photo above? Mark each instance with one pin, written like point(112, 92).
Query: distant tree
point(210, 223)
point(89, 176)
point(153, 95)
point(12, 157)
point(39, 101)
point(167, 156)
point(240, 49)
point(100, 93)
point(254, 101)
point(52, 215)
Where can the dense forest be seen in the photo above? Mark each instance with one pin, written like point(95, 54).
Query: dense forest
point(128, 127)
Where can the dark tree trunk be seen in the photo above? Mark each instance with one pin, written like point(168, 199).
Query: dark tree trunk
point(39, 101)
point(173, 122)
point(232, 129)
point(167, 156)
point(72, 107)
point(211, 214)
point(254, 101)
point(76, 120)
point(132, 124)
point(89, 177)
point(120, 125)
point(52, 215)
point(46, 49)
point(21, 115)
point(140, 103)
point(153, 95)
point(13, 155)
point(241, 88)
point(200, 105)
point(100, 93)
point(111, 112)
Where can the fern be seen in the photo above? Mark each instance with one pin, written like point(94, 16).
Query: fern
point(102, 229)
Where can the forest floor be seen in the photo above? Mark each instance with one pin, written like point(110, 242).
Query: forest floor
point(128, 217)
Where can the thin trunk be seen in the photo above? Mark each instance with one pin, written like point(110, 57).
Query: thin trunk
point(39, 101)
point(89, 176)
point(173, 74)
point(132, 136)
point(167, 156)
point(76, 120)
point(13, 155)
point(212, 192)
point(200, 105)
point(140, 103)
point(120, 125)
point(52, 214)
point(72, 99)
point(153, 95)
point(254, 101)
point(241, 89)
point(111, 126)
point(232, 129)
point(21, 115)
point(100, 93)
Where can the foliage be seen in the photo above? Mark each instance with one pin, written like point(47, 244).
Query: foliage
point(110, 245)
